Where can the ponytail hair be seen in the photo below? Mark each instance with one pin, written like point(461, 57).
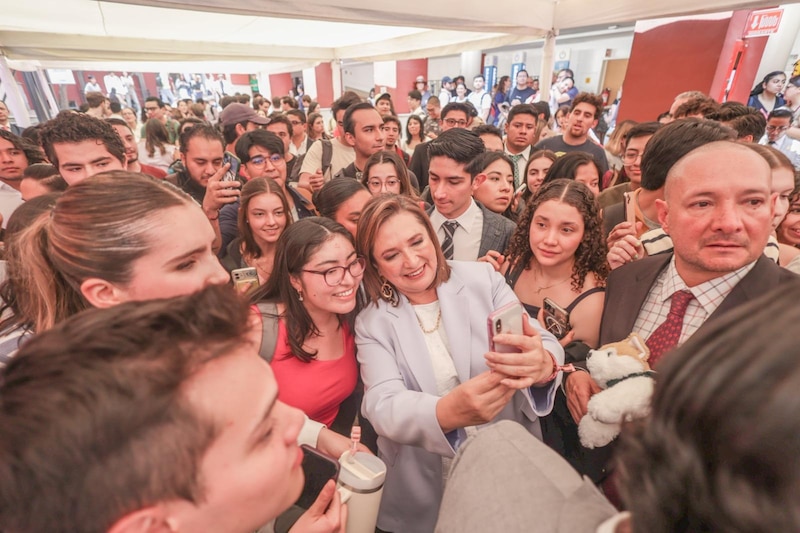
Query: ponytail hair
point(97, 229)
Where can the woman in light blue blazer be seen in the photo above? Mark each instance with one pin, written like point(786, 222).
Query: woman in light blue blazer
point(423, 347)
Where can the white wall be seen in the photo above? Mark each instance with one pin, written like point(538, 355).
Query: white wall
point(358, 76)
point(586, 57)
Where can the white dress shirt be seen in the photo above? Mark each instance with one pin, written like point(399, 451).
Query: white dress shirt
point(468, 234)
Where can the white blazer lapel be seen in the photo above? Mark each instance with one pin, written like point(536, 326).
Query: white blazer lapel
point(411, 344)
point(454, 304)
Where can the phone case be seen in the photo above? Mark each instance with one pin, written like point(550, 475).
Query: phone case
point(244, 279)
point(318, 469)
point(507, 319)
point(556, 318)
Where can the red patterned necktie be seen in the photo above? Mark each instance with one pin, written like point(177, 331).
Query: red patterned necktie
point(666, 336)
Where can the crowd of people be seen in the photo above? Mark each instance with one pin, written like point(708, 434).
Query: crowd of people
point(142, 391)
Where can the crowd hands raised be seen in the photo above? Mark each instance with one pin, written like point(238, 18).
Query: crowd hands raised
point(378, 260)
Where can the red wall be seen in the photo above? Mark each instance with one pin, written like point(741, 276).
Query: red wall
point(280, 84)
point(324, 76)
point(688, 55)
point(669, 60)
point(407, 72)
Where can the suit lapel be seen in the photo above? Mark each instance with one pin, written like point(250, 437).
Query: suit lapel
point(490, 233)
point(412, 346)
point(455, 318)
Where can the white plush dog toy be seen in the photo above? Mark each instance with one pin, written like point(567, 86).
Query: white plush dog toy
point(621, 369)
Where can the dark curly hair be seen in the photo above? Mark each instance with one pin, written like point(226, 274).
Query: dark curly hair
point(70, 127)
point(591, 253)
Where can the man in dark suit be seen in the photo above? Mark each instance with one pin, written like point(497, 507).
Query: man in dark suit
point(717, 209)
point(466, 229)
point(5, 123)
point(454, 115)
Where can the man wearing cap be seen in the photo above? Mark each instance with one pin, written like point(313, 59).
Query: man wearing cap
point(445, 94)
point(236, 120)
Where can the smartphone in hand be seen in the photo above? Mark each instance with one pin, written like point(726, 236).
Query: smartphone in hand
point(232, 174)
point(507, 319)
point(318, 468)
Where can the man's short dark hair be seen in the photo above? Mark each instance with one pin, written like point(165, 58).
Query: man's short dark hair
point(265, 139)
point(227, 100)
point(348, 124)
point(542, 108)
point(205, 131)
point(673, 141)
point(522, 109)
point(291, 102)
point(457, 106)
point(435, 101)
point(643, 129)
point(588, 98)
point(488, 129)
point(522, 70)
point(300, 114)
point(458, 144)
point(346, 100)
point(394, 119)
point(280, 118)
point(71, 127)
point(700, 105)
point(415, 94)
point(95, 99)
point(780, 112)
point(157, 100)
point(96, 422)
point(744, 119)
point(32, 152)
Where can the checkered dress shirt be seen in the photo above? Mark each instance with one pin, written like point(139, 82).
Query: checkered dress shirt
point(707, 297)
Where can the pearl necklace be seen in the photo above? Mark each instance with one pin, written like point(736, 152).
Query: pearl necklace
point(429, 331)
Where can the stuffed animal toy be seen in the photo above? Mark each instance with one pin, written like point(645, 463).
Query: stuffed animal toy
point(621, 369)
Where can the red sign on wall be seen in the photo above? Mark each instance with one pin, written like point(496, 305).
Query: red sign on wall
point(763, 22)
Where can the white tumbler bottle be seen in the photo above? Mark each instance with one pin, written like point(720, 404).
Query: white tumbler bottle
point(362, 476)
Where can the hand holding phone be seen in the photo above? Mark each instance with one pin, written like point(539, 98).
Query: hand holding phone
point(232, 174)
point(507, 319)
point(244, 279)
point(318, 469)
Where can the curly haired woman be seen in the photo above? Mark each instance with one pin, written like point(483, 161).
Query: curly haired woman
point(558, 252)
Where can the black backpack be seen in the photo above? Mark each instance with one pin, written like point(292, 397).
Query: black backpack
point(327, 157)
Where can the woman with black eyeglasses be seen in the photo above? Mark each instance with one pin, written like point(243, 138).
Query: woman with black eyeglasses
point(314, 284)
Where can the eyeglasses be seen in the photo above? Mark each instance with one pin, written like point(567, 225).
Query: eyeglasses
point(777, 128)
point(334, 276)
point(295, 122)
point(375, 185)
point(260, 160)
point(150, 109)
point(453, 123)
point(631, 157)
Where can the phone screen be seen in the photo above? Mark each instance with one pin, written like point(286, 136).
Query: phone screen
point(318, 469)
point(233, 172)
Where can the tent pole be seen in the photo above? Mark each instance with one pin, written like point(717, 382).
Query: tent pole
point(546, 73)
point(13, 97)
point(336, 78)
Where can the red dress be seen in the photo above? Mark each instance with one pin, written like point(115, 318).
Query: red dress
point(317, 388)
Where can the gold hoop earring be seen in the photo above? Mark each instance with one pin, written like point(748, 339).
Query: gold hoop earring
point(388, 292)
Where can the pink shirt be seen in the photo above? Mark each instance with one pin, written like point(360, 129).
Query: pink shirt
point(317, 388)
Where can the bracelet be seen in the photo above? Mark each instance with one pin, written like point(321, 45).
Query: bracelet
point(557, 368)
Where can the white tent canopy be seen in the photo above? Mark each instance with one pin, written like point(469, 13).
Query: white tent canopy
point(276, 35)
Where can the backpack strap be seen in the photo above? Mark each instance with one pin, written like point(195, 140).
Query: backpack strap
point(327, 155)
point(269, 330)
